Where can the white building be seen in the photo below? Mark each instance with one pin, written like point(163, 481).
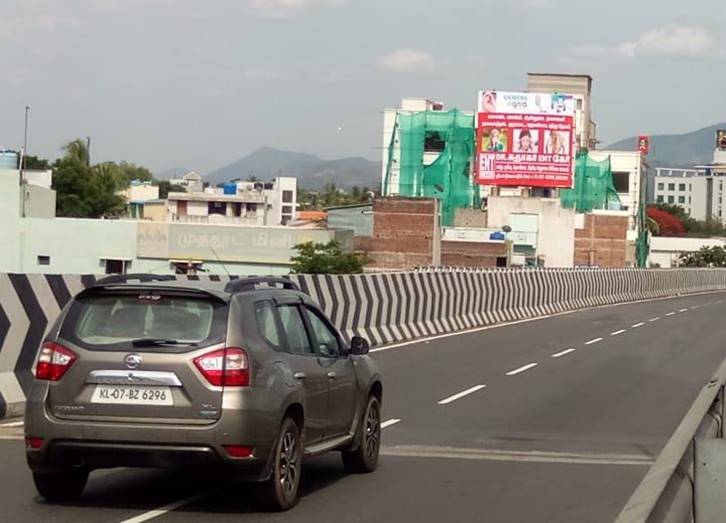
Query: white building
point(699, 191)
point(280, 195)
point(191, 181)
point(665, 251)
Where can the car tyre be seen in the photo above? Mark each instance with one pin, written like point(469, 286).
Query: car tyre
point(364, 458)
point(282, 490)
point(61, 486)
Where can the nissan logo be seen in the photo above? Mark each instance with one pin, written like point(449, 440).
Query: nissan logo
point(133, 361)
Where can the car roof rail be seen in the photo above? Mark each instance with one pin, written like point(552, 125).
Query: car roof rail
point(141, 277)
point(248, 284)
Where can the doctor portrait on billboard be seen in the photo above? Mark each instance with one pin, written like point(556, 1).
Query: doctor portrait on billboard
point(488, 102)
point(525, 141)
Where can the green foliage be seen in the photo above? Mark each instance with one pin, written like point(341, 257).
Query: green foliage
point(325, 258)
point(694, 228)
point(332, 196)
point(165, 187)
point(704, 257)
point(83, 191)
point(33, 163)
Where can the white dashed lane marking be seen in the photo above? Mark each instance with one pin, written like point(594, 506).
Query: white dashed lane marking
point(559, 354)
point(461, 394)
point(617, 332)
point(389, 422)
point(521, 369)
point(654, 319)
point(670, 314)
point(596, 340)
point(636, 325)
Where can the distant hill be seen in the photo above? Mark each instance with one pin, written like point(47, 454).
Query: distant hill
point(174, 172)
point(311, 171)
point(677, 150)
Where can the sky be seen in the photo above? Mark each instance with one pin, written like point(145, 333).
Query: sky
point(199, 84)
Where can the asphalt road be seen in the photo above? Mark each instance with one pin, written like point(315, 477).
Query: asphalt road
point(553, 420)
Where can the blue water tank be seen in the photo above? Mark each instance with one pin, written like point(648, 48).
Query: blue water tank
point(230, 188)
point(8, 159)
point(497, 236)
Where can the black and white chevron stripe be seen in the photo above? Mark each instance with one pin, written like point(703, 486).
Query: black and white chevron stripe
point(383, 307)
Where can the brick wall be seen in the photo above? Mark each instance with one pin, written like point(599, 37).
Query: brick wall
point(472, 254)
point(602, 242)
point(403, 233)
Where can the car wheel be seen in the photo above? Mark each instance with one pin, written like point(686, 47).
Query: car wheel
point(365, 458)
point(281, 491)
point(61, 486)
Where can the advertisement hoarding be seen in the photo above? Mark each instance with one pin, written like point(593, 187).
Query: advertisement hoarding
point(644, 144)
point(525, 139)
point(721, 139)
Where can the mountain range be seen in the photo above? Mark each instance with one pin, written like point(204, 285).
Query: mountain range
point(677, 150)
point(313, 172)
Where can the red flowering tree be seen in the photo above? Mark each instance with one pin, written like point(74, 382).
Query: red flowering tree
point(668, 224)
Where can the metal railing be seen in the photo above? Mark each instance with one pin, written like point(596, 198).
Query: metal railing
point(687, 481)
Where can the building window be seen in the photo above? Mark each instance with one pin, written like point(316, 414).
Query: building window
point(434, 142)
point(681, 186)
point(681, 199)
point(217, 208)
point(116, 266)
point(690, 187)
point(287, 209)
point(671, 186)
point(501, 261)
point(252, 207)
point(43, 260)
point(660, 198)
point(621, 180)
point(285, 219)
point(286, 196)
point(671, 199)
point(187, 267)
point(689, 200)
point(661, 186)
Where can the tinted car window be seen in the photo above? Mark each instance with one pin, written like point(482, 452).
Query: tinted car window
point(114, 320)
point(327, 339)
point(292, 324)
point(265, 314)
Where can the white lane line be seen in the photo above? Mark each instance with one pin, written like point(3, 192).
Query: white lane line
point(654, 319)
point(694, 307)
point(390, 422)
point(617, 332)
point(146, 516)
point(682, 310)
point(670, 314)
point(521, 369)
point(636, 325)
point(12, 424)
point(596, 340)
point(461, 394)
point(559, 354)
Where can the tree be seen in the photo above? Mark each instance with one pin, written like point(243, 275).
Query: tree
point(33, 163)
point(83, 191)
point(165, 187)
point(704, 257)
point(326, 258)
point(668, 225)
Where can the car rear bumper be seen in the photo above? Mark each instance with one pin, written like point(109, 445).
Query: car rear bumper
point(63, 454)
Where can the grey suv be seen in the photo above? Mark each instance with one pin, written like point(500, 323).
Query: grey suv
point(250, 376)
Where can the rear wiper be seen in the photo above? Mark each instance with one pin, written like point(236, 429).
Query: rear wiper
point(159, 342)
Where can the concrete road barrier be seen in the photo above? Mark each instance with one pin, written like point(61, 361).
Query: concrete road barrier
point(383, 307)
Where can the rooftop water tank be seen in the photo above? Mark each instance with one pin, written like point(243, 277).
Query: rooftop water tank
point(8, 159)
point(230, 188)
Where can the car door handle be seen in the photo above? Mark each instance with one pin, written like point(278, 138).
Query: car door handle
point(332, 375)
point(300, 375)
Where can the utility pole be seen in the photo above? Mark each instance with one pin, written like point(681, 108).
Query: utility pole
point(23, 154)
point(88, 148)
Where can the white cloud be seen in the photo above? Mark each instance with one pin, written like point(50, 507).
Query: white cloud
point(670, 40)
point(282, 8)
point(407, 61)
point(667, 41)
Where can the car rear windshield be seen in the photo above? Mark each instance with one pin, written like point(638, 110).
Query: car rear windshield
point(155, 321)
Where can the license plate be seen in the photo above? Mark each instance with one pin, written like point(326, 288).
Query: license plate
point(132, 395)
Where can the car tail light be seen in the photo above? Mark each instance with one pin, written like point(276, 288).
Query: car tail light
point(225, 367)
point(33, 443)
point(54, 361)
point(238, 451)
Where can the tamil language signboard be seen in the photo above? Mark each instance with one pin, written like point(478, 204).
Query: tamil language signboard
point(525, 139)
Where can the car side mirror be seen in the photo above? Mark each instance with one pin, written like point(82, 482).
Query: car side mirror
point(359, 346)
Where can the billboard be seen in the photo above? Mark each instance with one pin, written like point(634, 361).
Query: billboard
point(525, 139)
point(721, 139)
point(644, 144)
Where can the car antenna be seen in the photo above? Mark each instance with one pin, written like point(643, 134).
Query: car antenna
point(219, 260)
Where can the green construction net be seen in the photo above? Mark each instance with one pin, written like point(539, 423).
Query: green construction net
point(593, 188)
point(448, 178)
